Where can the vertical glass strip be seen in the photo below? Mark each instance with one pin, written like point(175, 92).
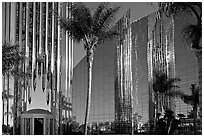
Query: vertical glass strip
point(43, 42)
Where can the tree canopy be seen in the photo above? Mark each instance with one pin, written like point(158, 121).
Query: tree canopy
point(91, 29)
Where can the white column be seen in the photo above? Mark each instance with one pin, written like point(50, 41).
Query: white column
point(40, 33)
point(3, 20)
point(32, 127)
point(44, 126)
point(48, 125)
point(7, 18)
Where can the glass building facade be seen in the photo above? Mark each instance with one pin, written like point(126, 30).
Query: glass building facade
point(186, 62)
point(123, 72)
point(35, 27)
point(161, 57)
point(141, 104)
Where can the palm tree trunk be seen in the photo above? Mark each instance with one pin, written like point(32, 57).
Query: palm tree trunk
point(3, 99)
point(88, 99)
point(7, 100)
point(15, 102)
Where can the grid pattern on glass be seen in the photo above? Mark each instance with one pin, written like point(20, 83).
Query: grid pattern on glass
point(163, 55)
point(140, 73)
point(102, 101)
point(178, 60)
point(186, 62)
point(123, 78)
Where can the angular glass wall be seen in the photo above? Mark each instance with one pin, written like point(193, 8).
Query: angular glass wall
point(168, 52)
point(186, 62)
point(161, 57)
point(123, 77)
point(102, 98)
point(140, 73)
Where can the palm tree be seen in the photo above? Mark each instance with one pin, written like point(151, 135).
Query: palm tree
point(192, 99)
point(91, 30)
point(162, 86)
point(11, 58)
point(192, 32)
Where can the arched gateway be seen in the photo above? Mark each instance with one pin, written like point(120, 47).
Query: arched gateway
point(37, 122)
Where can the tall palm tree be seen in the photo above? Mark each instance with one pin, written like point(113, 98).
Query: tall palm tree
point(91, 30)
point(162, 85)
point(11, 58)
point(192, 32)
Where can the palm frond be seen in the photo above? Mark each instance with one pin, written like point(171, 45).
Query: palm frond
point(87, 28)
point(104, 22)
point(74, 29)
point(10, 56)
point(99, 10)
point(107, 35)
point(159, 82)
point(169, 8)
point(170, 83)
point(163, 84)
point(193, 34)
point(82, 15)
point(80, 22)
point(20, 74)
point(173, 8)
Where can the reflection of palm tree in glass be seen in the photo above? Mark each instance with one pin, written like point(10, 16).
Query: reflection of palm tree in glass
point(38, 127)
